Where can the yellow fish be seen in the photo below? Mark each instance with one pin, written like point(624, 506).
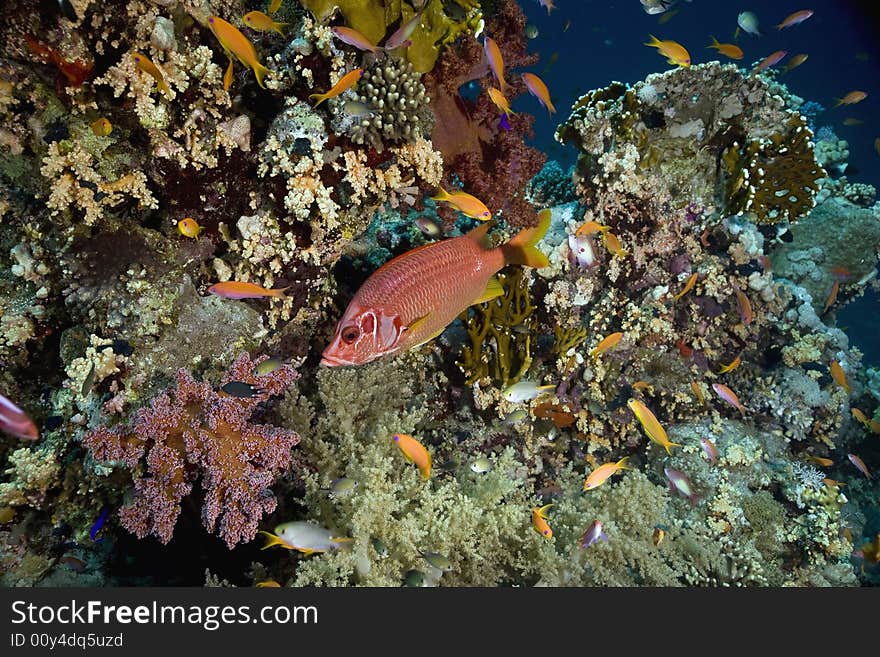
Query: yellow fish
point(730, 366)
point(674, 52)
point(227, 77)
point(496, 62)
point(414, 452)
point(838, 375)
point(101, 127)
point(861, 417)
point(539, 521)
point(500, 101)
point(236, 44)
point(795, 61)
point(688, 286)
point(698, 391)
point(274, 6)
point(852, 98)
point(471, 206)
point(601, 474)
point(606, 343)
point(189, 227)
point(651, 425)
point(345, 83)
point(612, 243)
point(591, 228)
point(257, 20)
point(144, 64)
point(727, 49)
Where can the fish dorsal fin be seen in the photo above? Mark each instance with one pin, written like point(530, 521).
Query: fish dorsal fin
point(480, 234)
point(493, 290)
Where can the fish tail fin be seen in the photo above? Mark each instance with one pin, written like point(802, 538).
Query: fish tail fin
point(321, 98)
point(442, 195)
point(550, 108)
point(668, 445)
point(654, 42)
point(522, 249)
point(714, 42)
point(543, 510)
point(260, 71)
point(272, 540)
point(623, 463)
point(839, 102)
point(163, 87)
point(279, 292)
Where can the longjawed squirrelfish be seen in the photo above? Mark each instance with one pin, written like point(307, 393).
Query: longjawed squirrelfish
point(415, 296)
point(305, 537)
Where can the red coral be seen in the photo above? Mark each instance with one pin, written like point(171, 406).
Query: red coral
point(495, 165)
point(196, 432)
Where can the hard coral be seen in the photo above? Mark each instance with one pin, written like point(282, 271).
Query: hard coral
point(195, 433)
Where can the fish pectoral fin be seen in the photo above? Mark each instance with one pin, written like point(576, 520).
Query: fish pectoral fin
point(416, 323)
point(493, 291)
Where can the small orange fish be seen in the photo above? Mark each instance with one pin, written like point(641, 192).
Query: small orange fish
point(355, 38)
point(657, 536)
point(591, 228)
point(414, 452)
point(833, 483)
point(189, 227)
point(698, 391)
point(820, 461)
point(729, 396)
point(500, 100)
point(344, 83)
point(852, 98)
point(539, 90)
point(727, 49)
point(730, 366)
point(770, 60)
point(612, 243)
point(101, 127)
point(860, 465)
point(795, 18)
point(839, 376)
point(674, 52)
point(795, 61)
point(539, 521)
point(688, 286)
point(858, 415)
point(469, 205)
point(496, 62)
point(227, 77)
point(606, 343)
point(237, 44)
point(652, 427)
point(144, 64)
point(743, 307)
point(683, 350)
point(710, 450)
point(601, 474)
point(642, 385)
point(257, 20)
point(832, 296)
point(274, 6)
point(243, 290)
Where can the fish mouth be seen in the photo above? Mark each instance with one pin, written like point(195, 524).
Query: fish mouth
point(332, 361)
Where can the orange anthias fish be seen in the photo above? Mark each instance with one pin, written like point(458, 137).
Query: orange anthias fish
point(770, 60)
point(101, 127)
point(257, 20)
point(415, 296)
point(832, 296)
point(861, 417)
point(795, 18)
point(539, 90)
point(606, 343)
point(355, 38)
point(243, 290)
point(651, 425)
point(860, 465)
point(795, 61)
point(730, 366)
point(414, 452)
point(727, 49)
point(539, 521)
point(820, 461)
point(698, 392)
point(591, 228)
point(612, 243)
point(729, 396)
point(500, 100)
point(465, 203)
point(839, 376)
point(688, 286)
point(674, 52)
point(144, 64)
point(496, 62)
point(237, 44)
point(16, 422)
point(852, 98)
point(345, 83)
point(743, 307)
point(601, 474)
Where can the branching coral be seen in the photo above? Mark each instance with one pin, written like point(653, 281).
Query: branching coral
point(196, 434)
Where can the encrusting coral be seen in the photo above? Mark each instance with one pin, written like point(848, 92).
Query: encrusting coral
point(194, 434)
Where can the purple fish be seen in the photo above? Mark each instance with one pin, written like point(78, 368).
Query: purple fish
point(679, 482)
point(99, 523)
point(16, 422)
point(594, 534)
point(401, 38)
point(709, 449)
point(504, 124)
point(729, 396)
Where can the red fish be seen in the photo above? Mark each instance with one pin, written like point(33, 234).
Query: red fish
point(415, 296)
point(244, 290)
point(770, 60)
point(75, 71)
point(16, 422)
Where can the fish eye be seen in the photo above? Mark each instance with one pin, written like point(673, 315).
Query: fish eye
point(350, 334)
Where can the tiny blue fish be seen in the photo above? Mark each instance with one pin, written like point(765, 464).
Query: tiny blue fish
point(504, 124)
point(99, 523)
